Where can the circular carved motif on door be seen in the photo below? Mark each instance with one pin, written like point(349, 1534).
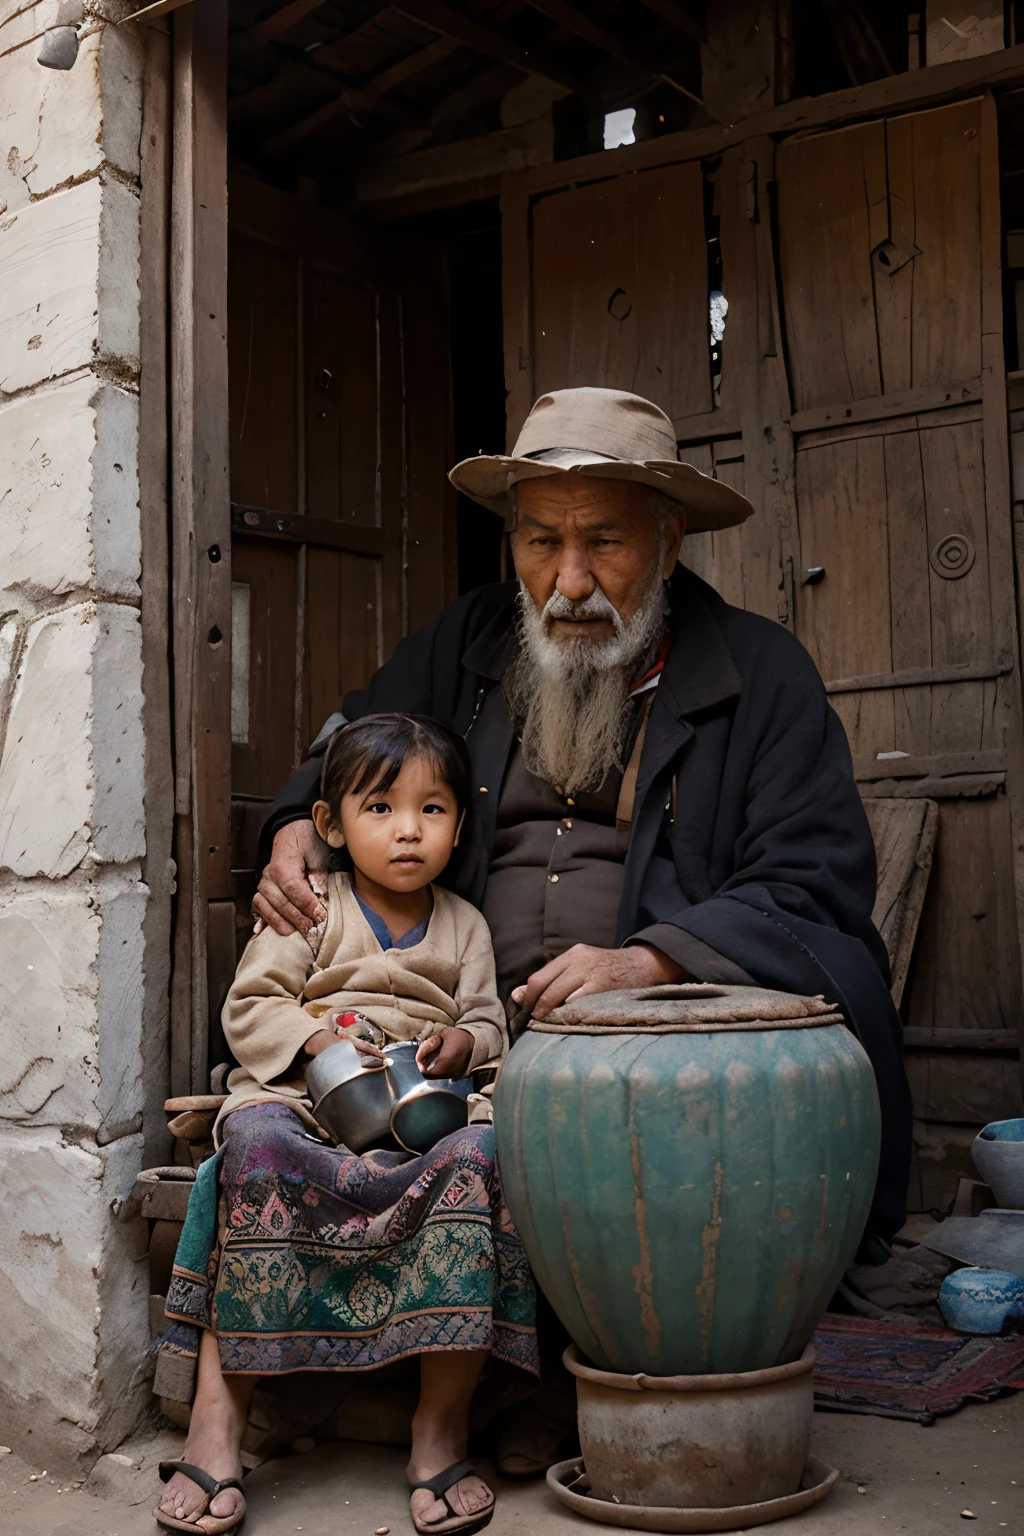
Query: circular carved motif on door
point(952, 556)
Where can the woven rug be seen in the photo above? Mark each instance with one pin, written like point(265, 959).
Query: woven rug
point(902, 1372)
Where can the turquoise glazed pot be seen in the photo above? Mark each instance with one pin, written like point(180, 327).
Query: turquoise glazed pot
point(689, 1200)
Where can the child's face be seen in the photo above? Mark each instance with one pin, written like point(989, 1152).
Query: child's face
point(403, 837)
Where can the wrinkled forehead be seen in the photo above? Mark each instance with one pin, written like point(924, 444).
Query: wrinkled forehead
point(577, 501)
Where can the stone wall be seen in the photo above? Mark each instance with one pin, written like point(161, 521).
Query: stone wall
point(80, 993)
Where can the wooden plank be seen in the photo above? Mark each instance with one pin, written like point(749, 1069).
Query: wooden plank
point(902, 403)
point(961, 1040)
point(888, 426)
point(904, 837)
point(618, 289)
point(878, 98)
point(919, 677)
point(200, 515)
point(356, 538)
point(454, 194)
point(939, 765)
point(281, 21)
point(293, 224)
point(712, 424)
point(454, 24)
point(958, 1090)
point(829, 186)
point(944, 163)
point(515, 300)
point(964, 786)
point(157, 868)
point(846, 620)
point(263, 752)
point(361, 97)
point(151, 12)
point(343, 640)
point(677, 16)
point(967, 965)
point(1003, 550)
point(263, 340)
point(341, 409)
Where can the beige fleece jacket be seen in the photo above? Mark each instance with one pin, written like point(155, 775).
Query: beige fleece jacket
point(284, 987)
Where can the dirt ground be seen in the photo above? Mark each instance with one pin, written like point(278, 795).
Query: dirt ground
point(917, 1480)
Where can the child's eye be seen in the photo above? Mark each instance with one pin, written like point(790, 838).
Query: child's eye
point(434, 810)
point(378, 808)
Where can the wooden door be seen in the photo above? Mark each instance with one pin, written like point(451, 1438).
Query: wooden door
point(342, 529)
point(862, 409)
point(890, 282)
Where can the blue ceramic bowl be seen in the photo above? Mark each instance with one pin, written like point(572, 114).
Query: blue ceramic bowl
point(981, 1300)
point(998, 1153)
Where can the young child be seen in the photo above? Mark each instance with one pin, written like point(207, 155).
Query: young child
point(392, 947)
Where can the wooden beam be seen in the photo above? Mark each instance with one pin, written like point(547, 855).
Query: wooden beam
point(200, 519)
point(281, 21)
point(677, 16)
point(920, 677)
point(452, 23)
point(896, 93)
point(934, 397)
point(430, 200)
point(941, 765)
point(960, 1039)
point(580, 25)
point(158, 8)
point(361, 98)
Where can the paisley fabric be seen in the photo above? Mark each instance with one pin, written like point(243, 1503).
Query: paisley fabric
point(304, 1257)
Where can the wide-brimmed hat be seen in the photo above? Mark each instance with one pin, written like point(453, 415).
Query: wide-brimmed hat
point(605, 433)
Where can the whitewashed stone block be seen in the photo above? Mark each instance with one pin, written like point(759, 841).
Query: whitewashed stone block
point(69, 493)
point(57, 126)
point(71, 989)
point(72, 1299)
point(71, 774)
point(69, 284)
point(119, 1102)
point(49, 1069)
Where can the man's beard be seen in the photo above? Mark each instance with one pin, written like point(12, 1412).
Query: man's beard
point(569, 697)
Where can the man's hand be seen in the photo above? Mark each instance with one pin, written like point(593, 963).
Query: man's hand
point(285, 899)
point(446, 1054)
point(584, 969)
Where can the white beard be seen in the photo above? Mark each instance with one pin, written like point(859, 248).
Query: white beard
point(569, 697)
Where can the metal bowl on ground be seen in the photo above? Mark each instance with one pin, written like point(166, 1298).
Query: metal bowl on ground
point(362, 1106)
point(694, 1442)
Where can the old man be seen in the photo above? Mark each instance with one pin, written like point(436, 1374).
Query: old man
point(662, 789)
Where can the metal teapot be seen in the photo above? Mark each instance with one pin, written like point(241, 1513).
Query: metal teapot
point(359, 1106)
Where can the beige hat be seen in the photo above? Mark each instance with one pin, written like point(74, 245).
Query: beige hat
point(603, 432)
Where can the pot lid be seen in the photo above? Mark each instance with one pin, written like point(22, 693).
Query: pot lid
point(690, 1006)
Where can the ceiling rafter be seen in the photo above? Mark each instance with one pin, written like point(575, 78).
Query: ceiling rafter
point(451, 23)
point(576, 22)
point(279, 22)
point(362, 97)
point(677, 16)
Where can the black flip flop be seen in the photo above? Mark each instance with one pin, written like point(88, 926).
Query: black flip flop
point(439, 1485)
point(211, 1487)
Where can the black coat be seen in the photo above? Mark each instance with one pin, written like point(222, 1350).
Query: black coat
point(768, 859)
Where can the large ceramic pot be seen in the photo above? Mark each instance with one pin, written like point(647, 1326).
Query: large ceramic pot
point(690, 1169)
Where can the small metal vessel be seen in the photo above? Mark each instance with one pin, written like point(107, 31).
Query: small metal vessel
point(360, 1105)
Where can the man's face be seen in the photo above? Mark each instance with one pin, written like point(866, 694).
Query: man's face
point(575, 534)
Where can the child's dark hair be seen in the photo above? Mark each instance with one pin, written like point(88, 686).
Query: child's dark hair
point(369, 754)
